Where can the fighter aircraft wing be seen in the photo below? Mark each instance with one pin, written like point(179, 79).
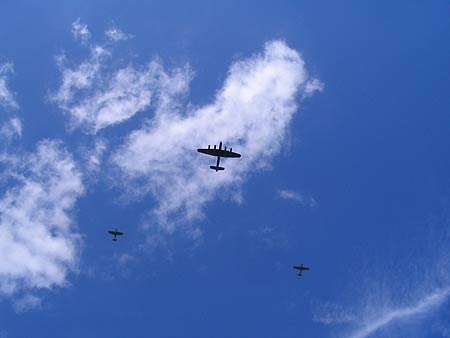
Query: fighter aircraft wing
point(115, 233)
point(218, 152)
point(301, 268)
point(297, 267)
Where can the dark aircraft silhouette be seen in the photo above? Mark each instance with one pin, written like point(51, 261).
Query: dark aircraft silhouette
point(115, 233)
point(219, 153)
point(300, 269)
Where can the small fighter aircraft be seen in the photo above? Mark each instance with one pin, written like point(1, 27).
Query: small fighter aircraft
point(300, 269)
point(219, 153)
point(115, 233)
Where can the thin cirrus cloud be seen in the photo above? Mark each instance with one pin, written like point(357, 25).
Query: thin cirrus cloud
point(250, 113)
point(6, 96)
point(95, 96)
point(377, 318)
point(39, 245)
point(396, 299)
point(423, 306)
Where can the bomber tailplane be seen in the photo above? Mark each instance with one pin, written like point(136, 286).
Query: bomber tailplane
point(216, 168)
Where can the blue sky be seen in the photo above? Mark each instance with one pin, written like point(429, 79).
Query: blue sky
point(340, 111)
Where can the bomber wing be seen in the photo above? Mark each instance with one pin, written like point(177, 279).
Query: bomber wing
point(218, 152)
point(226, 153)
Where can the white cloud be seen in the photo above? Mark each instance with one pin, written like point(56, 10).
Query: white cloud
point(115, 34)
point(38, 243)
point(80, 31)
point(96, 98)
point(295, 196)
point(251, 113)
point(6, 97)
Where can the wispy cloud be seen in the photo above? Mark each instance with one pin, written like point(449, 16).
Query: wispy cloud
point(27, 302)
point(297, 197)
point(93, 155)
point(251, 113)
point(38, 242)
point(381, 315)
point(11, 129)
point(6, 97)
point(270, 237)
point(313, 86)
point(115, 34)
point(395, 297)
point(97, 95)
point(424, 306)
point(80, 31)
point(75, 80)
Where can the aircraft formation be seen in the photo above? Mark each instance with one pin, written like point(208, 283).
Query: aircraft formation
point(219, 153)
